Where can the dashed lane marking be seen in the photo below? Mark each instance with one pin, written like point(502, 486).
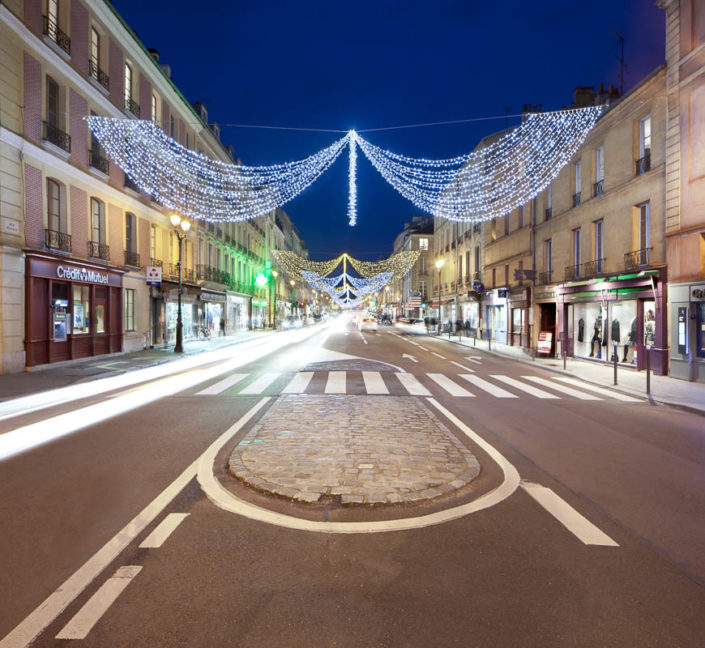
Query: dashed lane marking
point(438, 355)
point(457, 364)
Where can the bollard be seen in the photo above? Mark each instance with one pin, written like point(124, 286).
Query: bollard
point(614, 358)
point(648, 370)
point(489, 340)
point(474, 339)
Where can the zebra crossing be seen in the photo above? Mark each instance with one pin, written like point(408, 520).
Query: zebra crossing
point(459, 385)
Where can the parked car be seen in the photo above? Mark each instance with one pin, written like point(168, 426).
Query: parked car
point(367, 324)
point(292, 322)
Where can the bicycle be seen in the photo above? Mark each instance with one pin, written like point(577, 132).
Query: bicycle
point(204, 333)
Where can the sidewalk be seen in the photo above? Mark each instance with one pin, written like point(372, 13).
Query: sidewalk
point(664, 389)
point(71, 372)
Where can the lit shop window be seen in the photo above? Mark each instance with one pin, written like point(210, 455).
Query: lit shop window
point(81, 309)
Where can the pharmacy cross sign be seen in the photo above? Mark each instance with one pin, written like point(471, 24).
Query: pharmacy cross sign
point(154, 275)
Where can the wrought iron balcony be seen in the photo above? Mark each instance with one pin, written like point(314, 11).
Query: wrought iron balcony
point(548, 213)
point(572, 272)
point(131, 184)
point(51, 29)
point(174, 270)
point(98, 161)
point(57, 240)
point(132, 106)
point(155, 263)
point(593, 268)
point(636, 259)
point(576, 199)
point(132, 259)
point(54, 135)
point(98, 250)
point(96, 73)
point(643, 164)
point(598, 188)
point(187, 274)
point(545, 277)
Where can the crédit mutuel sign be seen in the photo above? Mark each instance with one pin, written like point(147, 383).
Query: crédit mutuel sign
point(81, 274)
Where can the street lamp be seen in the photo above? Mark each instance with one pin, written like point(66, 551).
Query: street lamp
point(181, 228)
point(439, 264)
point(295, 309)
point(275, 274)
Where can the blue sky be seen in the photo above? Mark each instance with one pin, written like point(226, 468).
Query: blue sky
point(368, 64)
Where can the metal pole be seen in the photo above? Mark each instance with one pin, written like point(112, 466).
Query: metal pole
point(648, 370)
point(179, 346)
point(614, 358)
point(439, 301)
point(565, 355)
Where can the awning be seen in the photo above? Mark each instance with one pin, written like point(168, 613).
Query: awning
point(434, 304)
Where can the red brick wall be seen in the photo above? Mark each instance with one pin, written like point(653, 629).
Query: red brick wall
point(165, 117)
point(79, 36)
point(145, 98)
point(79, 222)
point(117, 75)
point(34, 212)
point(78, 128)
point(33, 10)
point(32, 98)
point(115, 234)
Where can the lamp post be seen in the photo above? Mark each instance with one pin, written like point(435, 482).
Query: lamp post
point(292, 283)
point(439, 264)
point(275, 274)
point(181, 228)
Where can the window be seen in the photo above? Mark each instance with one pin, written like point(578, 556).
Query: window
point(155, 109)
point(599, 244)
point(467, 262)
point(477, 258)
point(53, 14)
point(97, 221)
point(548, 262)
point(422, 265)
point(130, 232)
point(577, 168)
point(643, 233)
point(576, 249)
point(81, 309)
point(506, 224)
point(521, 216)
point(53, 112)
point(599, 171)
point(506, 274)
point(493, 230)
point(423, 288)
point(95, 51)
point(153, 242)
point(129, 103)
point(54, 205)
point(129, 310)
point(549, 201)
point(423, 244)
point(645, 136)
point(172, 126)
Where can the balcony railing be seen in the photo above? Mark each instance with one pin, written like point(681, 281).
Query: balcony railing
point(548, 214)
point(598, 188)
point(132, 259)
point(51, 29)
point(545, 277)
point(576, 199)
point(643, 164)
point(54, 135)
point(636, 259)
point(131, 184)
point(156, 263)
point(57, 240)
point(98, 250)
point(208, 273)
point(174, 270)
point(98, 161)
point(187, 274)
point(572, 272)
point(96, 73)
point(132, 106)
point(592, 268)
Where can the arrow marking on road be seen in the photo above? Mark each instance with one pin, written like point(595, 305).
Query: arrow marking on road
point(406, 355)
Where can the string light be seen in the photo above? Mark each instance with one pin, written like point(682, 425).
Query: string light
point(352, 178)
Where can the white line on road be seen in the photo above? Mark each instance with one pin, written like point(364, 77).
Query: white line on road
point(335, 383)
point(488, 386)
point(298, 383)
point(374, 383)
point(534, 391)
point(565, 390)
point(56, 603)
point(423, 348)
point(473, 359)
point(454, 389)
point(457, 364)
point(577, 524)
point(363, 337)
point(96, 606)
point(438, 355)
point(222, 385)
point(412, 385)
point(611, 393)
point(264, 381)
point(166, 527)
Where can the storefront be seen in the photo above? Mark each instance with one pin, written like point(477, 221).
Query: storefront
point(618, 317)
point(687, 319)
point(495, 305)
point(189, 312)
point(520, 317)
point(210, 312)
point(545, 315)
point(237, 313)
point(259, 313)
point(471, 313)
point(72, 310)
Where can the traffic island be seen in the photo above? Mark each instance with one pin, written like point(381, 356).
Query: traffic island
point(355, 450)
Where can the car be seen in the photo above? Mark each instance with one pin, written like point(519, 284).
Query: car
point(411, 325)
point(291, 322)
point(367, 324)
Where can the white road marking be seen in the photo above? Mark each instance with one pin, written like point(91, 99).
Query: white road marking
point(534, 391)
point(47, 611)
point(264, 381)
point(457, 364)
point(488, 386)
point(565, 390)
point(363, 337)
point(577, 524)
point(225, 500)
point(473, 359)
point(96, 606)
point(438, 355)
point(412, 358)
point(412, 385)
point(222, 385)
point(374, 383)
point(335, 383)
point(165, 528)
point(298, 383)
point(600, 390)
point(423, 348)
point(451, 387)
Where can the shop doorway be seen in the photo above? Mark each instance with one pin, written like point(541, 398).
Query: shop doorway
point(547, 323)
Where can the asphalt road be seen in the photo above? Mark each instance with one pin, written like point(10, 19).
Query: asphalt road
point(74, 510)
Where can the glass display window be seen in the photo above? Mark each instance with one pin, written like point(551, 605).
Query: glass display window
point(649, 323)
point(623, 330)
point(589, 330)
point(81, 309)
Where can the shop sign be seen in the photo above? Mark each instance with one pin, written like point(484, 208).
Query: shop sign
point(212, 296)
point(698, 293)
point(73, 273)
point(478, 286)
point(545, 295)
point(502, 293)
point(544, 342)
point(154, 275)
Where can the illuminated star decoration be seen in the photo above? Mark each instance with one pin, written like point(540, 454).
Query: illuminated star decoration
point(487, 183)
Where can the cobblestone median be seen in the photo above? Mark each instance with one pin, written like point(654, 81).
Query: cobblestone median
point(363, 449)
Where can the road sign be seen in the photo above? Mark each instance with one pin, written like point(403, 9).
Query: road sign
point(154, 275)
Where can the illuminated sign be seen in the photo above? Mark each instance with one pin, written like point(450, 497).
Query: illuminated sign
point(81, 274)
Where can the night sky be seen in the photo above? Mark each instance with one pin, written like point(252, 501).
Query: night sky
point(363, 64)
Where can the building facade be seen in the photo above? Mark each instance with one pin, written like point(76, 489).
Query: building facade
point(410, 293)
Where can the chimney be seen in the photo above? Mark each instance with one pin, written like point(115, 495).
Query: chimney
point(166, 68)
point(583, 96)
point(154, 53)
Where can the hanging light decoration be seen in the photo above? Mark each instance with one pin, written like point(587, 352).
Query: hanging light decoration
point(352, 178)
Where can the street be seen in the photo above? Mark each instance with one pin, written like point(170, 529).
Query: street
point(581, 526)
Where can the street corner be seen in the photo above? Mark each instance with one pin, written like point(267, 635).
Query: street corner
point(352, 451)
